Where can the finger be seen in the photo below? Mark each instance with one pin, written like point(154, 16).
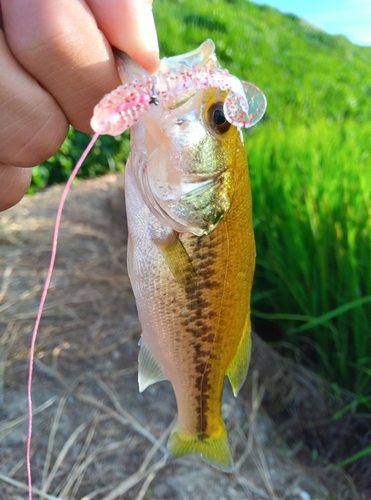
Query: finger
point(129, 26)
point(60, 44)
point(14, 182)
point(32, 126)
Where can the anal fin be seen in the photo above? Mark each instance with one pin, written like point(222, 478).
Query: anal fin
point(237, 370)
point(149, 371)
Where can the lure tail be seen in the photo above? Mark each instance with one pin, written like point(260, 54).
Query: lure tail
point(213, 449)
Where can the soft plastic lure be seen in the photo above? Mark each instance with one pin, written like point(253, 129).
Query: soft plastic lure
point(190, 85)
point(244, 106)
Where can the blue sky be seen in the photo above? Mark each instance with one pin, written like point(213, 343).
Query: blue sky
point(351, 18)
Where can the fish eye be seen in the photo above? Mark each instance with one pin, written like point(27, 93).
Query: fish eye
point(216, 118)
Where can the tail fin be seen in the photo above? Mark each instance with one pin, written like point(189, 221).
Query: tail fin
point(213, 449)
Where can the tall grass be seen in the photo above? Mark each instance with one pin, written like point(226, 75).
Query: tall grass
point(312, 212)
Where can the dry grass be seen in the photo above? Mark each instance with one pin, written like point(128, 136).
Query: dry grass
point(95, 437)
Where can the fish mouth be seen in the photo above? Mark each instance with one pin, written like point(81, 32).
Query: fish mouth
point(204, 55)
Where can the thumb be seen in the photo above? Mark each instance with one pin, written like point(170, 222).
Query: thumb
point(129, 25)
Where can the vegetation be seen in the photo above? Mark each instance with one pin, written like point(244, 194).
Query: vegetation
point(108, 155)
point(310, 165)
point(312, 213)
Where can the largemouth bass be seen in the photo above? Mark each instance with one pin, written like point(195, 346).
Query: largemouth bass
point(191, 250)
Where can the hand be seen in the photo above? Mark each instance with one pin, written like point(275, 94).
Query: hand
point(56, 64)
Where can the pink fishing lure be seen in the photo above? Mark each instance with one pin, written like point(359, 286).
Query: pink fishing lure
point(123, 107)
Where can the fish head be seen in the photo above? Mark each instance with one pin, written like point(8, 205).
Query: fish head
point(183, 152)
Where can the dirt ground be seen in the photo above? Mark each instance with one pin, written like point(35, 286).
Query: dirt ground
point(95, 436)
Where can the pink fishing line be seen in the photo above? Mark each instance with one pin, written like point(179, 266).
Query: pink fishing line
point(42, 302)
point(116, 105)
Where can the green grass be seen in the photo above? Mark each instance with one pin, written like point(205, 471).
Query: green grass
point(312, 212)
point(310, 163)
point(108, 155)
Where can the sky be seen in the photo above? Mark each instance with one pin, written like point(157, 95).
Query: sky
point(351, 18)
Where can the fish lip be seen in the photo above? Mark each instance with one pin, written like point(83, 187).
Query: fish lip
point(204, 55)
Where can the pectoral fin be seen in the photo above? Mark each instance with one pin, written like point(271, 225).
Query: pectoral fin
point(149, 371)
point(237, 370)
point(179, 262)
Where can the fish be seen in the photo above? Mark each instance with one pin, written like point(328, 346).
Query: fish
point(191, 249)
